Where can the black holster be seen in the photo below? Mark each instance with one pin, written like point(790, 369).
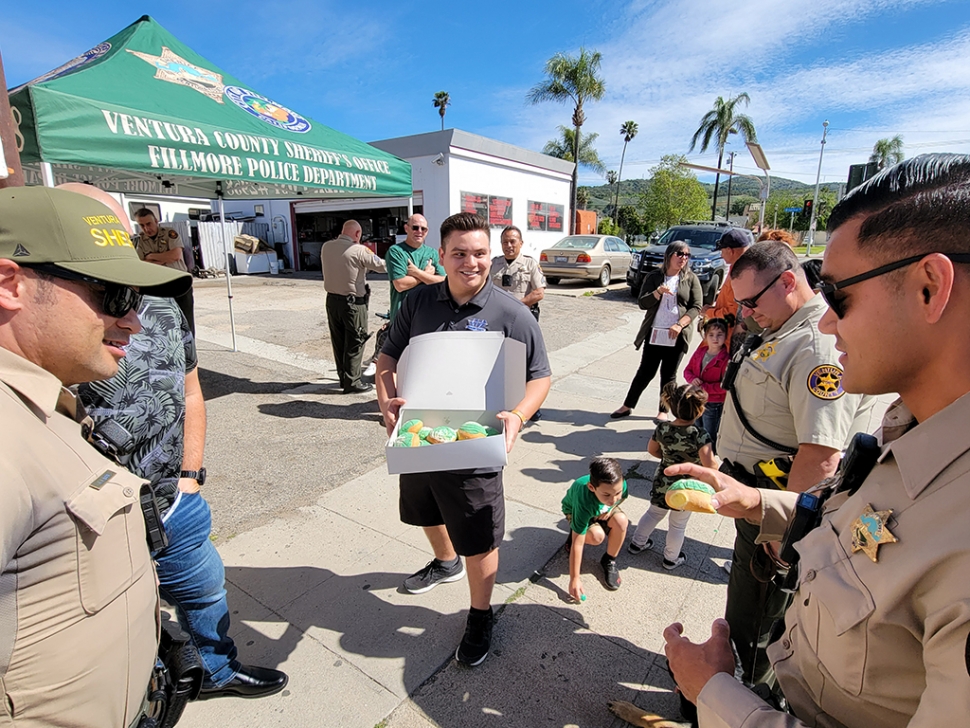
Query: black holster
point(176, 679)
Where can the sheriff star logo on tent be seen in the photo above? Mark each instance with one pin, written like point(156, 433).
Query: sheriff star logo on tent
point(175, 69)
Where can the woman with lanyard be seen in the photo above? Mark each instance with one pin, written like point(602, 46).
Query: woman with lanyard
point(671, 297)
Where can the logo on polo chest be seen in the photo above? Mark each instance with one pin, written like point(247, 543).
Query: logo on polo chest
point(477, 325)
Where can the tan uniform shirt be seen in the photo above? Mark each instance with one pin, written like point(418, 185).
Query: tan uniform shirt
point(525, 272)
point(164, 240)
point(77, 589)
point(876, 644)
point(345, 266)
point(790, 389)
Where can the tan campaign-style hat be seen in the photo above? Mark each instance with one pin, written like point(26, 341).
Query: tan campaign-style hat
point(44, 226)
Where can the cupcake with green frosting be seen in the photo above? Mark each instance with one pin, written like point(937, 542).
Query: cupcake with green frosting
point(471, 431)
point(442, 434)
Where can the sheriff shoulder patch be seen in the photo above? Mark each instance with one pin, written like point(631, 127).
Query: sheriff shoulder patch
point(172, 234)
point(825, 382)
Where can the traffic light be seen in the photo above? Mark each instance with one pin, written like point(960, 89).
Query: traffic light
point(807, 208)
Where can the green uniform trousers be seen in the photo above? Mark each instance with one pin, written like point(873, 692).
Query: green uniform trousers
point(348, 334)
point(752, 606)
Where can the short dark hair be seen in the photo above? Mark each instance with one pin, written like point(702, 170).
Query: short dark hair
point(770, 257)
point(512, 229)
point(463, 222)
point(604, 471)
point(145, 212)
point(685, 401)
point(921, 205)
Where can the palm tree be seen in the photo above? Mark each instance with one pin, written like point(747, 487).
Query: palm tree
point(628, 130)
point(717, 125)
point(887, 152)
point(565, 148)
point(442, 100)
point(576, 80)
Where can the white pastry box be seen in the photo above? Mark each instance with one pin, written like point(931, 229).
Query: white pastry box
point(451, 377)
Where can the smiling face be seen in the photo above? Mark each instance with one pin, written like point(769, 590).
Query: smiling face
point(608, 494)
point(511, 244)
point(417, 230)
point(466, 257)
point(75, 340)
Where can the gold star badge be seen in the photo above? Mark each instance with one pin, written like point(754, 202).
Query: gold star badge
point(765, 351)
point(175, 69)
point(869, 531)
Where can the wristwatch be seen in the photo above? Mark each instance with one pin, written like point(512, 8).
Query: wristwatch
point(197, 475)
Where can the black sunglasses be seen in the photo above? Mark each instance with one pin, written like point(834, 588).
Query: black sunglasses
point(837, 303)
point(682, 254)
point(118, 299)
point(419, 229)
point(752, 302)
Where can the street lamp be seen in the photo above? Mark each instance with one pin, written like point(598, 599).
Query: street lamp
point(761, 161)
point(818, 178)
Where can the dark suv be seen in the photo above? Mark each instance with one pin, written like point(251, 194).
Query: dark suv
point(705, 260)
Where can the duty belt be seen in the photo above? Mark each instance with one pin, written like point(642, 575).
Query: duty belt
point(353, 300)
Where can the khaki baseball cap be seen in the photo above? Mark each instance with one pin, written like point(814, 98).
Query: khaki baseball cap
point(40, 225)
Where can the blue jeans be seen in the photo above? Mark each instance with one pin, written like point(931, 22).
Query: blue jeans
point(191, 576)
point(711, 421)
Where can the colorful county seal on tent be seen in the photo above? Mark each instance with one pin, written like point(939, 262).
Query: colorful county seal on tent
point(143, 113)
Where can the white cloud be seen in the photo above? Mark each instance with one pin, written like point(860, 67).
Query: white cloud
point(675, 56)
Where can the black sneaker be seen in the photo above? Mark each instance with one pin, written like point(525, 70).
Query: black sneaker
point(634, 549)
point(478, 638)
point(433, 574)
point(680, 560)
point(611, 573)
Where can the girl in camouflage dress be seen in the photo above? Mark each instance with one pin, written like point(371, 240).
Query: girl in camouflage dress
point(680, 441)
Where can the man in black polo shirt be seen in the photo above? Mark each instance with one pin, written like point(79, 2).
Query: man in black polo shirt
point(462, 512)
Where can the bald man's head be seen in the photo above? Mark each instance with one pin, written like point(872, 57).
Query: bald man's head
point(417, 230)
point(352, 230)
point(101, 196)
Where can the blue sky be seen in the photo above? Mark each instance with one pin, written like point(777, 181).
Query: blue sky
point(872, 68)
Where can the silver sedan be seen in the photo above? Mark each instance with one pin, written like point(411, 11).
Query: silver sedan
point(593, 257)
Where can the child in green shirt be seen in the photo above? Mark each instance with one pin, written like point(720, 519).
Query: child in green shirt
point(592, 508)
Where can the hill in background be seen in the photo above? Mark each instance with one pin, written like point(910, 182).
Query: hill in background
point(630, 190)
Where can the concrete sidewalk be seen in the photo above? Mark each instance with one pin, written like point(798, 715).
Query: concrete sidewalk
point(318, 592)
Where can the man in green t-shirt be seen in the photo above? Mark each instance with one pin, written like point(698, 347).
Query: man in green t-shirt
point(411, 263)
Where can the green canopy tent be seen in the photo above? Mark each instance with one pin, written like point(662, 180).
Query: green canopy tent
point(143, 113)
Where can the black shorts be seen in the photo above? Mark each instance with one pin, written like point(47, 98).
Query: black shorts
point(471, 507)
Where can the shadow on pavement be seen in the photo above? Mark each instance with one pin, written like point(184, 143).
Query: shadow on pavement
point(345, 614)
point(216, 384)
point(578, 442)
point(323, 411)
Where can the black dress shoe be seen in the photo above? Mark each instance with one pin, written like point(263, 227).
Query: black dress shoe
point(249, 682)
point(358, 388)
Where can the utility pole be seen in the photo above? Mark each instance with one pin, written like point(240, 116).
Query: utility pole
point(727, 210)
point(818, 178)
point(11, 174)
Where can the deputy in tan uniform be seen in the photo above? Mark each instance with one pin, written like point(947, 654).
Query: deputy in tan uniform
point(157, 243)
point(77, 588)
point(345, 266)
point(517, 273)
point(877, 634)
point(163, 246)
point(790, 393)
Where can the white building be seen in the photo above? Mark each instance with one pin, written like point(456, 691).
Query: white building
point(452, 171)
